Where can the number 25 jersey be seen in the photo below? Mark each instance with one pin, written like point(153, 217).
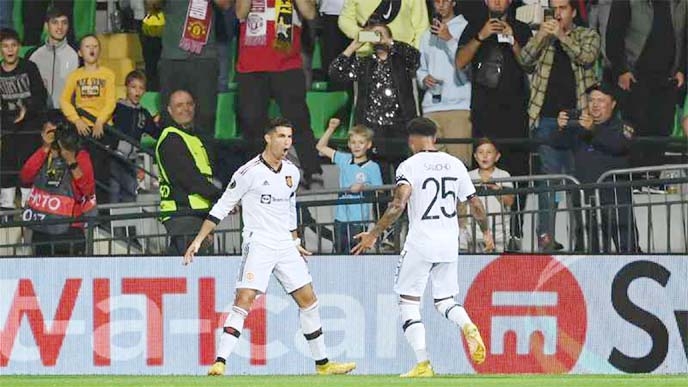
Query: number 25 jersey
point(438, 183)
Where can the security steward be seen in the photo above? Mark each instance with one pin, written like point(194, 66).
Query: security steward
point(186, 189)
point(601, 142)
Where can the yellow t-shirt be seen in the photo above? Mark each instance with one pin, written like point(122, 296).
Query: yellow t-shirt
point(90, 90)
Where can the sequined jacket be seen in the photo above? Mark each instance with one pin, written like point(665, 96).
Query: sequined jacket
point(405, 60)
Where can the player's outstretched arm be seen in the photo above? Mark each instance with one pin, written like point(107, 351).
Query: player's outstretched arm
point(480, 216)
point(207, 227)
point(396, 208)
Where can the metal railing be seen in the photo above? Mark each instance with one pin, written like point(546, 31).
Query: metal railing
point(580, 225)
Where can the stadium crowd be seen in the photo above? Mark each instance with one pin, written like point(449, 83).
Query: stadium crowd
point(484, 71)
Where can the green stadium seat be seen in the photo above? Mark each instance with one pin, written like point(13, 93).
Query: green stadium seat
point(148, 142)
point(316, 64)
point(25, 49)
point(319, 86)
point(225, 117)
point(151, 101)
point(273, 109)
point(323, 106)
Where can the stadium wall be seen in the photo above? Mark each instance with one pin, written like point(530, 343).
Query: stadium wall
point(151, 315)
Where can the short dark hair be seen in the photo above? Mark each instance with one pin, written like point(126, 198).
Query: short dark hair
point(135, 74)
point(53, 13)
point(273, 123)
point(53, 116)
point(169, 99)
point(483, 141)
point(371, 23)
point(422, 126)
point(94, 36)
point(9, 34)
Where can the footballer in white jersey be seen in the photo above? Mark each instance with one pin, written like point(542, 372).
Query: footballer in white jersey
point(431, 184)
point(266, 188)
point(439, 182)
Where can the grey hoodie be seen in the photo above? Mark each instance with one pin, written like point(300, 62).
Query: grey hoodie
point(55, 62)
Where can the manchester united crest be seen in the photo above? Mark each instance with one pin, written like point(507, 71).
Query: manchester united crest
point(289, 180)
point(196, 29)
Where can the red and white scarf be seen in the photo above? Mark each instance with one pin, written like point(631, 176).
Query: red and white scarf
point(196, 26)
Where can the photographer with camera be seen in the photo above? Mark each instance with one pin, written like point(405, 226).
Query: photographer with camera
point(601, 142)
point(561, 57)
point(60, 174)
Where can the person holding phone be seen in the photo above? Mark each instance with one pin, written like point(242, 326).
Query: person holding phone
point(447, 99)
point(561, 57)
point(600, 142)
point(385, 100)
point(499, 89)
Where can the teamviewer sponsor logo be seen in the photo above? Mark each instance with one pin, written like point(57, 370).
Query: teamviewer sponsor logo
point(535, 319)
point(265, 199)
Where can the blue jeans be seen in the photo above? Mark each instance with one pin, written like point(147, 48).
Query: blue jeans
point(123, 183)
point(552, 161)
point(344, 235)
point(6, 14)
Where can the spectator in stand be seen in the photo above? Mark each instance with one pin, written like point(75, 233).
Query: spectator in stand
point(499, 90)
point(23, 97)
point(152, 27)
point(601, 142)
point(61, 172)
point(270, 66)
point(185, 175)
point(34, 15)
point(91, 88)
point(225, 21)
point(598, 17)
point(561, 57)
point(189, 58)
point(332, 39)
point(447, 99)
point(406, 19)
point(646, 45)
point(56, 59)
point(496, 206)
point(132, 120)
point(385, 101)
point(356, 172)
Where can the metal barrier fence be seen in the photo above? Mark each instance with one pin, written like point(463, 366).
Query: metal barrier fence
point(587, 218)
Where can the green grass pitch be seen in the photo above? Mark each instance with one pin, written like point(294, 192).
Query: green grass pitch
point(348, 381)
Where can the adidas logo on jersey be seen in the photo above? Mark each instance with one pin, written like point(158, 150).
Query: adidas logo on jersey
point(265, 183)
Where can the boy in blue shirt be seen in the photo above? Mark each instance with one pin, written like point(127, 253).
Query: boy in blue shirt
point(131, 119)
point(356, 171)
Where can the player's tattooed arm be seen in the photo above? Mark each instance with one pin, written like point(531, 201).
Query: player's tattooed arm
point(479, 214)
point(396, 207)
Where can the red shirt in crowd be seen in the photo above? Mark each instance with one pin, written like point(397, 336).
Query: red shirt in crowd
point(82, 187)
point(265, 58)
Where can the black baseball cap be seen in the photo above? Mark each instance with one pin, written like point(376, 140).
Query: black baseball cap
point(605, 88)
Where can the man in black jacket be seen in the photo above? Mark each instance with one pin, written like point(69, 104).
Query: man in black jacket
point(601, 142)
point(385, 101)
point(646, 45)
point(186, 188)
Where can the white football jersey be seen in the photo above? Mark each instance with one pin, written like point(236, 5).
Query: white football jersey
point(438, 183)
point(268, 200)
